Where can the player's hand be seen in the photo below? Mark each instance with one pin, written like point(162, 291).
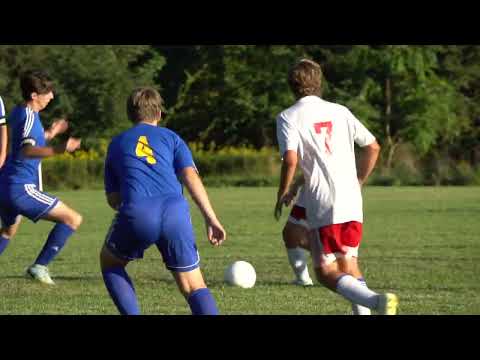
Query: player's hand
point(277, 213)
point(215, 233)
point(290, 196)
point(285, 199)
point(58, 127)
point(72, 144)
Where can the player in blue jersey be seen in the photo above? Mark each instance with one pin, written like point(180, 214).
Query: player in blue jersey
point(21, 178)
point(142, 169)
point(3, 133)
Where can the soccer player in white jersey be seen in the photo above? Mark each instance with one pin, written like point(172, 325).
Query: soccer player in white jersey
point(320, 137)
point(3, 133)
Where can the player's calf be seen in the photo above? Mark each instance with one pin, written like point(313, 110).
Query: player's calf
point(296, 239)
point(118, 283)
point(68, 221)
point(192, 285)
point(328, 274)
point(7, 233)
point(4, 242)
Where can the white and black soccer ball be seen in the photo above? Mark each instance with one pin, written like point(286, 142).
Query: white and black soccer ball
point(241, 274)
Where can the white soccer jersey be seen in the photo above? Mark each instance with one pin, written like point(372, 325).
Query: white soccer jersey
point(301, 198)
point(323, 134)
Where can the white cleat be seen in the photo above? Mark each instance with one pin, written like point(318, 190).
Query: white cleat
point(388, 304)
point(303, 282)
point(40, 273)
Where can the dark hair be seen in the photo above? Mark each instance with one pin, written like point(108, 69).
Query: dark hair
point(145, 103)
point(35, 81)
point(305, 78)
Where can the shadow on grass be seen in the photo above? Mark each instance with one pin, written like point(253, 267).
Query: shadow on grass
point(216, 284)
point(77, 278)
point(62, 278)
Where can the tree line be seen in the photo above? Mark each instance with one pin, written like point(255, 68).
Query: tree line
point(424, 97)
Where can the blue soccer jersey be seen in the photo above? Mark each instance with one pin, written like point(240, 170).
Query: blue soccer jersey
point(20, 178)
point(3, 119)
point(142, 165)
point(144, 162)
point(25, 128)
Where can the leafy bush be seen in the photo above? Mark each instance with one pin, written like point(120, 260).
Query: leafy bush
point(226, 167)
point(243, 166)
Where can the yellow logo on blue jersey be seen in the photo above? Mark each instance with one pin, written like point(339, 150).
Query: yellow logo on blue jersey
point(144, 150)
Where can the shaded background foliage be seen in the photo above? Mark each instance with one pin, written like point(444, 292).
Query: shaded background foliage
point(422, 102)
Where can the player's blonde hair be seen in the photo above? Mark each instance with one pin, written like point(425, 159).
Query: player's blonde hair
point(144, 103)
point(305, 78)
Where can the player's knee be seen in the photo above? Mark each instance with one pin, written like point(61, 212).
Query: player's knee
point(8, 232)
point(320, 273)
point(326, 277)
point(109, 261)
point(289, 238)
point(74, 220)
point(103, 259)
point(285, 235)
point(349, 266)
point(189, 290)
point(190, 282)
point(78, 220)
point(325, 272)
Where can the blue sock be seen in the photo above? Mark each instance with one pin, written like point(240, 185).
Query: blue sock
point(121, 290)
point(202, 303)
point(3, 244)
point(55, 242)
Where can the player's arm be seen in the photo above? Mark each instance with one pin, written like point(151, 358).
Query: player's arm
point(370, 149)
point(288, 142)
point(367, 161)
point(3, 134)
point(30, 150)
point(3, 144)
point(111, 183)
point(292, 193)
point(215, 231)
point(58, 127)
point(289, 166)
point(114, 200)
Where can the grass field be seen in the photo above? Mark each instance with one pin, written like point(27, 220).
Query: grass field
point(422, 243)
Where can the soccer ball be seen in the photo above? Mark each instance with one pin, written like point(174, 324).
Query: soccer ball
point(241, 274)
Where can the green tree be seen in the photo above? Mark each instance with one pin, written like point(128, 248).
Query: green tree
point(460, 65)
point(92, 81)
point(397, 91)
point(232, 94)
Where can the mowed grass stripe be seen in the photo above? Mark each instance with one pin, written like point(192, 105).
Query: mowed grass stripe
point(421, 243)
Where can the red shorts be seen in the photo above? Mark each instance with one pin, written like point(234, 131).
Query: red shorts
point(336, 241)
point(298, 216)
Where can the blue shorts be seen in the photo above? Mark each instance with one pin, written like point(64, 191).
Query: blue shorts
point(163, 221)
point(26, 200)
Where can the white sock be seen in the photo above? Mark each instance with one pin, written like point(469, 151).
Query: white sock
point(298, 262)
point(356, 293)
point(358, 309)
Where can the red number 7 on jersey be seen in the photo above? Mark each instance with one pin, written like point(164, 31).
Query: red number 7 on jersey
point(326, 135)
